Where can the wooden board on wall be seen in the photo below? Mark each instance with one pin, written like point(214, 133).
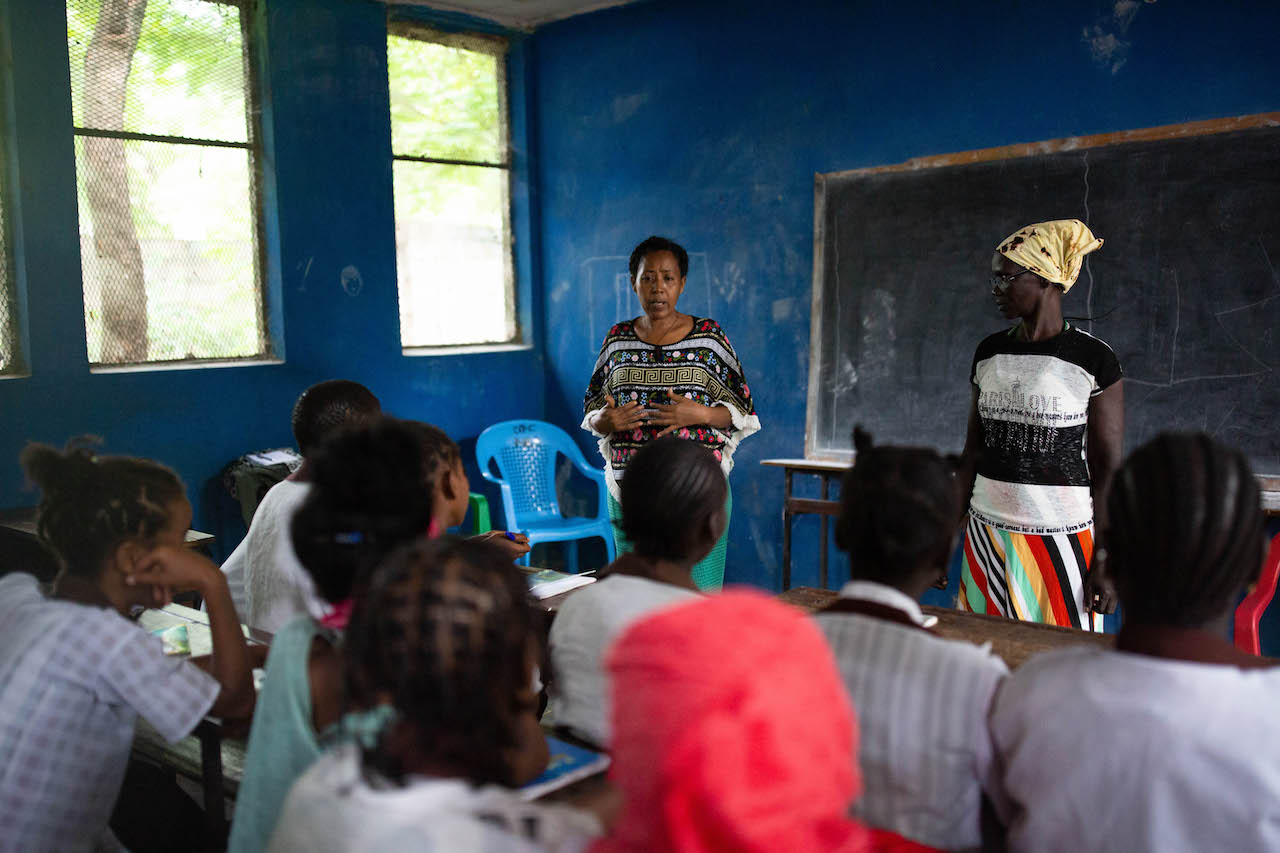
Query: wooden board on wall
point(1186, 288)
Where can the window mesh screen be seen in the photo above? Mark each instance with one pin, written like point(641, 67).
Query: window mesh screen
point(166, 170)
point(9, 343)
point(452, 188)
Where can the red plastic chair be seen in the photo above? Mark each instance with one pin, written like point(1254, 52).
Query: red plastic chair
point(1250, 610)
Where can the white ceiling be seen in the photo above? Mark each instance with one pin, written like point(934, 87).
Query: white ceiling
point(524, 14)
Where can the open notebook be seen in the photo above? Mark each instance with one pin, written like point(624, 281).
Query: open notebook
point(568, 764)
point(544, 583)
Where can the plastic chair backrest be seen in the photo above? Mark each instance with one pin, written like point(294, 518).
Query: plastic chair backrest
point(526, 455)
point(1250, 611)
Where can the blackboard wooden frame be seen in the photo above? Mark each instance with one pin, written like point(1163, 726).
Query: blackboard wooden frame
point(813, 450)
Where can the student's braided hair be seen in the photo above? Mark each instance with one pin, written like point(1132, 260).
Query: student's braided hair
point(659, 244)
point(372, 486)
point(445, 632)
point(90, 504)
point(328, 406)
point(672, 487)
point(1185, 530)
point(899, 506)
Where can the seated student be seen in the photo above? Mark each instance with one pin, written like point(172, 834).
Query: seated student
point(732, 733)
point(75, 673)
point(444, 635)
point(673, 512)
point(373, 487)
point(1169, 742)
point(922, 701)
point(270, 585)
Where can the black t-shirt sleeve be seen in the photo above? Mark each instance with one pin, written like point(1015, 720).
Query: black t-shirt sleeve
point(1105, 366)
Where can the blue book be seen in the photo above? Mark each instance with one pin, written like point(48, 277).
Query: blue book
point(568, 764)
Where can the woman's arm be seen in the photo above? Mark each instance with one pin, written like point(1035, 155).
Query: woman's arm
point(1105, 448)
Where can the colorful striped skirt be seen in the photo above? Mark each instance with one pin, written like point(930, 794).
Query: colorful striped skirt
point(708, 573)
point(1027, 577)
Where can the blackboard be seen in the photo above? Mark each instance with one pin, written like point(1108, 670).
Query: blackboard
point(1186, 289)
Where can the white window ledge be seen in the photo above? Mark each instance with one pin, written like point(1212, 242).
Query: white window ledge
point(184, 365)
point(466, 349)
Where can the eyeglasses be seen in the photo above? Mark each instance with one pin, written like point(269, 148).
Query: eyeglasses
point(1002, 282)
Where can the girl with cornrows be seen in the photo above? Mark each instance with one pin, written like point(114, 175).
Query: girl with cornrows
point(673, 512)
point(445, 639)
point(75, 673)
point(1169, 742)
point(1046, 428)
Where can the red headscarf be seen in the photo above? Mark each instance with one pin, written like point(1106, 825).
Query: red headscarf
point(732, 732)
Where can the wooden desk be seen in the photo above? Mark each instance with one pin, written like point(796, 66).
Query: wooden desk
point(1010, 639)
point(209, 755)
point(791, 507)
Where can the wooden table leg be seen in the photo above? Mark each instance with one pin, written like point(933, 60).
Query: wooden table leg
point(786, 531)
point(215, 808)
point(822, 557)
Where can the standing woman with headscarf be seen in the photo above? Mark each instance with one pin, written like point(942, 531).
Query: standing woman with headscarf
point(1046, 429)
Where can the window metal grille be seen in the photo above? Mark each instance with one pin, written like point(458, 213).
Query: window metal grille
point(10, 343)
point(452, 173)
point(167, 169)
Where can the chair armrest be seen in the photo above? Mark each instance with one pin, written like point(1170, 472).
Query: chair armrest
point(479, 507)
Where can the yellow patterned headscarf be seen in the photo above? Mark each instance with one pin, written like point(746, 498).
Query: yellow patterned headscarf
point(1052, 250)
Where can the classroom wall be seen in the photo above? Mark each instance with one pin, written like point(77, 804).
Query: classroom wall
point(705, 120)
point(328, 167)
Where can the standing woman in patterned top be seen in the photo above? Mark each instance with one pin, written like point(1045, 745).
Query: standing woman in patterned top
point(667, 373)
point(1046, 429)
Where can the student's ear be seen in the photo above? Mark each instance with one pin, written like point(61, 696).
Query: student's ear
point(126, 556)
point(449, 483)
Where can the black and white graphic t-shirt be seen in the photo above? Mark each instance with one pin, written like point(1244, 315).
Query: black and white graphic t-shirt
point(1033, 401)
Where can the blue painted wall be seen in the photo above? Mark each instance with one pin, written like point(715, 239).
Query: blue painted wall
point(328, 165)
point(705, 120)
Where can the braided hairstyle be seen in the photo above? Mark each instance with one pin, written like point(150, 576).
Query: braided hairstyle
point(658, 244)
point(1185, 530)
point(90, 504)
point(445, 631)
point(372, 486)
point(328, 406)
point(901, 508)
point(672, 488)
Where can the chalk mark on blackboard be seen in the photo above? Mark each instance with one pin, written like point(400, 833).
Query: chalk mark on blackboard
point(1217, 315)
point(835, 245)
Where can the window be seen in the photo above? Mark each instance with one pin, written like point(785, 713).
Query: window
point(452, 187)
point(167, 174)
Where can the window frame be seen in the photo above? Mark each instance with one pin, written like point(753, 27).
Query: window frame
point(403, 23)
point(12, 331)
point(269, 345)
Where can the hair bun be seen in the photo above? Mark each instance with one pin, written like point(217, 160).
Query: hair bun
point(60, 471)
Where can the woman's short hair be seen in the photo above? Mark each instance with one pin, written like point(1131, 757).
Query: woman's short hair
point(659, 244)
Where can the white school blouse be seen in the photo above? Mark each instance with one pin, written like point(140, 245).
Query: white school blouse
point(1105, 750)
point(922, 704)
point(584, 628)
point(268, 583)
point(336, 808)
point(73, 681)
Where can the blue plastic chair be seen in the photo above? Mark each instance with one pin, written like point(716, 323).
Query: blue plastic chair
point(526, 455)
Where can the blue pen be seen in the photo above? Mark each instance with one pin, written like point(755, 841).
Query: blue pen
point(510, 535)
